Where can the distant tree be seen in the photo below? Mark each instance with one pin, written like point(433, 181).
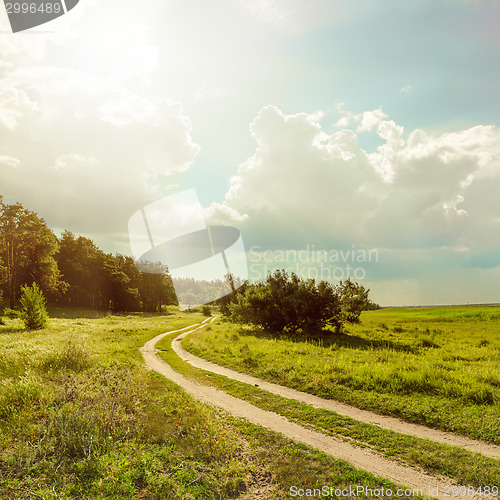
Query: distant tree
point(354, 300)
point(2, 277)
point(111, 282)
point(205, 291)
point(32, 311)
point(73, 270)
point(372, 306)
point(188, 298)
point(130, 299)
point(116, 295)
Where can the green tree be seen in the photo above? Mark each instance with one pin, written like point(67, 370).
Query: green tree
point(354, 300)
point(73, 270)
point(27, 248)
point(288, 303)
point(77, 261)
point(155, 288)
point(33, 312)
point(238, 287)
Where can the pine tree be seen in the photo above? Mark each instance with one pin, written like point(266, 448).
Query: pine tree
point(33, 312)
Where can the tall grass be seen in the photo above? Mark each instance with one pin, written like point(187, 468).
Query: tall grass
point(81, 418)
point(439, 367)
point(84, 424)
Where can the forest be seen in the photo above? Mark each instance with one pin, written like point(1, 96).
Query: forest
point(72, 270)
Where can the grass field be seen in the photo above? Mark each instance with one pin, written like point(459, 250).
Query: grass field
point(463, 467)
point(439, 367)
point(80, 417)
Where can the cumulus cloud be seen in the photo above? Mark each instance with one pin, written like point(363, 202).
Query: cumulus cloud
point(88, 152)
point(416, 191)
point(370, 119)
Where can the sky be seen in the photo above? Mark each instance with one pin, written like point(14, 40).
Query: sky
point(331, 133)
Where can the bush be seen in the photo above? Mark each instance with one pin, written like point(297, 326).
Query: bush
point(288, 303)
point(33, 312)
point(354, 300)
point(11, 313)
point(206, 310)
point(239, 287)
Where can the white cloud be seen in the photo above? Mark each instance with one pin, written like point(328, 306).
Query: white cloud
point(88, 151)
point(370, 120)
point(347, 117)
point(125, 108)
point(74, 161)
point(316, 116)
point(416, 191)
point(367, 121)
point(15, 104)
point(220, 213)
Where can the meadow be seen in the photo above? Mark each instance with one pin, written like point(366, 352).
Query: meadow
point(439, 367)
point(81, 417)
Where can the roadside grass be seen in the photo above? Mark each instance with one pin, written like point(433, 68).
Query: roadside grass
point(81, 418)
point(439, 367)
point(462, 466)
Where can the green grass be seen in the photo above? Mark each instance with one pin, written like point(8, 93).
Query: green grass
point(81, 418)
point(464, 467)
point(437, 367)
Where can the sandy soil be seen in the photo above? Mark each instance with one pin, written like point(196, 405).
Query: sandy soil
point(360, 458)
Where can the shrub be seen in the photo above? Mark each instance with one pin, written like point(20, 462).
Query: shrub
point(354, 300)
point(288, 303)
point(11, 313)
point(33, 312)
point(239, 287)
point(206, 310)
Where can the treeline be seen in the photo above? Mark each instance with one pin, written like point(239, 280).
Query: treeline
point(72, 270)
point(191, 292)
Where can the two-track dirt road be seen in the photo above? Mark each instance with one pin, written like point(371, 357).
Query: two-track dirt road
point(358, 457)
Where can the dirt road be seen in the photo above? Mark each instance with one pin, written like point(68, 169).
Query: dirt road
point(360, 458)
point(368, 417)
